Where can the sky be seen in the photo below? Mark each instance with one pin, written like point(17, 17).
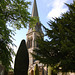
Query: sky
point(46, 10)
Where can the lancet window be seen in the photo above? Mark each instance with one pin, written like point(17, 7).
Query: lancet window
point(29, 43)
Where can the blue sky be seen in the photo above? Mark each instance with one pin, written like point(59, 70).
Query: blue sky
point(46, 10)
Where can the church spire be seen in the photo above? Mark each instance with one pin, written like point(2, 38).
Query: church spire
point(35, 11)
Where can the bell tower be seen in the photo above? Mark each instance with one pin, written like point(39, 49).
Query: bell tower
point(32, 34)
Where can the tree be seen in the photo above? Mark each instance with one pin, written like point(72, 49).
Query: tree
point(5, 50)
point(21, 60)
point(14, 12)
point(59, 49)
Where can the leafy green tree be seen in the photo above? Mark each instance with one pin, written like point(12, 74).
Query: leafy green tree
point(21, 60)
point(13, 13)
point(5, 50)
point(58, 50)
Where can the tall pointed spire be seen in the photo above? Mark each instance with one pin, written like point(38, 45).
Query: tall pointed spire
point(35, 11)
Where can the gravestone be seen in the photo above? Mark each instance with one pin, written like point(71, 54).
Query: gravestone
point(1, 69)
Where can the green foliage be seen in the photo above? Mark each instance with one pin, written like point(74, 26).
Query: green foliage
point(15, 12)
point(34, 21)
point(21, 60)
point(36, 70)
point(6, 51)
point(59, 49)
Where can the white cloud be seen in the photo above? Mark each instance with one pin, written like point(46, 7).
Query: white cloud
point(57, 8)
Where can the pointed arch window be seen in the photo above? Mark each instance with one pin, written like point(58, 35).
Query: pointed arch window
point(29, 43)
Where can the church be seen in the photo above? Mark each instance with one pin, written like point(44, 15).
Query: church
point(33, 33)
point(31, 36)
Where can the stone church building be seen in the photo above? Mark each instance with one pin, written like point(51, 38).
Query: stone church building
point(31, 36)
point(33, 33)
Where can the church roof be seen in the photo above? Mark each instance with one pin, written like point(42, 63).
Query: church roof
point(37, 26)
point(35, 11)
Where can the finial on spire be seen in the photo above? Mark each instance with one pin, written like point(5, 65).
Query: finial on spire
point(35, 11)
